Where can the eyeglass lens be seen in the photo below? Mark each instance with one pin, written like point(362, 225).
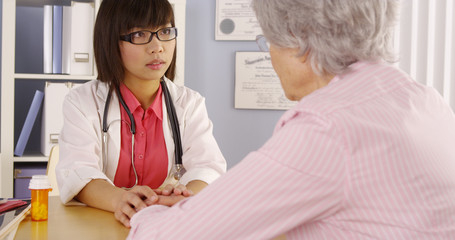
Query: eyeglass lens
point(262, 43)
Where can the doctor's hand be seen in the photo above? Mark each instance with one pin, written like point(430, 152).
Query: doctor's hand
point(132, 201)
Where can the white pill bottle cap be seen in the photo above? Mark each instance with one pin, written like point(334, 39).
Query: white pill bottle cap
point(39, 182)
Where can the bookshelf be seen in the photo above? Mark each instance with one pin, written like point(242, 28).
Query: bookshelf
point(14, 77)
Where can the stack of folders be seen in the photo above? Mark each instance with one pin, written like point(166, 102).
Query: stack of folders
point(12, 212)
point(67, 38)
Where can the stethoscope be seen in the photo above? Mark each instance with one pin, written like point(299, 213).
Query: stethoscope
point(178, 169)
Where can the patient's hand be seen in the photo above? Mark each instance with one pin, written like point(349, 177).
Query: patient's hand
point(170, 195)
point(169, 200)
point(169, 190)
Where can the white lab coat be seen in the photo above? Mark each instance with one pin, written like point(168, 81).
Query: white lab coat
point(81, 145)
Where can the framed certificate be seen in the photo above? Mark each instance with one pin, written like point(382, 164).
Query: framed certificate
point(235, 20)
point(256, 84)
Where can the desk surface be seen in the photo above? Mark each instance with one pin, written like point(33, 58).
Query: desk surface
point(72, 222)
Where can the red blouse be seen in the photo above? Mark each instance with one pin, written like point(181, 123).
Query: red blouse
point(150, 154)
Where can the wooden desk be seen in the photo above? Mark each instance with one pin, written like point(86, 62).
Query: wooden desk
point(72, 222)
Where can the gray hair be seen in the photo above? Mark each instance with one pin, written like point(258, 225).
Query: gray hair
point(334, 33)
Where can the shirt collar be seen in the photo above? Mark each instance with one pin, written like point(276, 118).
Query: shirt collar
point(134, 105)
point(157, 105)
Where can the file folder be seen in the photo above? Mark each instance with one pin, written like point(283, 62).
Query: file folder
point(47, 38)
point(29, 122)
point(57, 22)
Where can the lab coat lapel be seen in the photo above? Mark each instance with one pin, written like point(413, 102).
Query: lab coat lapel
point(113, 121)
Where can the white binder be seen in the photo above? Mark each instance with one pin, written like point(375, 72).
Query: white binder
point(52, 117)
point(77, 45)
point(66, 40)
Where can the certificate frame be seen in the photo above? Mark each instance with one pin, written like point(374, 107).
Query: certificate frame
point(235, 20)
point(257, 86)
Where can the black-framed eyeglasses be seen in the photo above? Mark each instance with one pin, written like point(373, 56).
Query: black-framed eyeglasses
point(144, 36)
point(263, 44)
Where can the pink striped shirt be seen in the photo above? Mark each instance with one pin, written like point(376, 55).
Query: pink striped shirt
point(370, 156)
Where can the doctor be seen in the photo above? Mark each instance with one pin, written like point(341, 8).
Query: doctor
point(123, 134)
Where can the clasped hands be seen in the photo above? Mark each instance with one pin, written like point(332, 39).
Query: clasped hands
point(140, 197)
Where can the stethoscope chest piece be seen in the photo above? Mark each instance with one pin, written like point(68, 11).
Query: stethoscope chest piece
point(178, 171)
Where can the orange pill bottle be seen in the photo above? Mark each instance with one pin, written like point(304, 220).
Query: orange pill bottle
point(40, 187)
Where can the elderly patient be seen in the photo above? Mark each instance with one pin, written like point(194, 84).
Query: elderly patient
point(367, 153)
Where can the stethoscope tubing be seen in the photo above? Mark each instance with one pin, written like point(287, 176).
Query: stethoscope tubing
point(178, 152)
